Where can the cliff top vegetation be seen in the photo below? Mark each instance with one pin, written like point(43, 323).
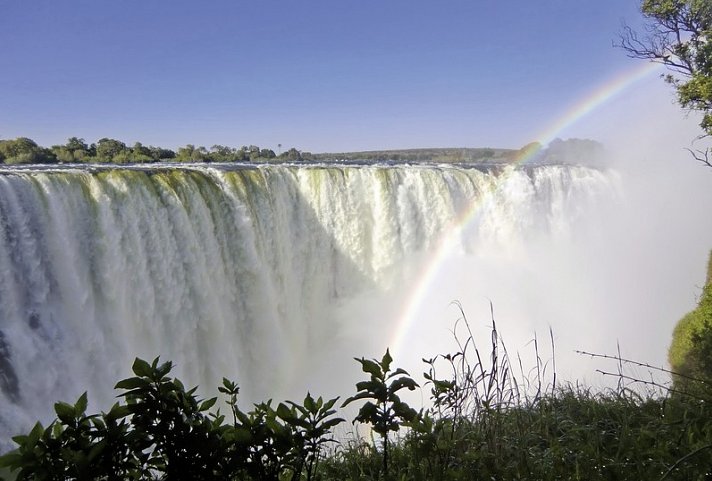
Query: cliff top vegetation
point(24, 150)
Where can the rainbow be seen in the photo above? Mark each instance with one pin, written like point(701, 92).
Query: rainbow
point(448, 241)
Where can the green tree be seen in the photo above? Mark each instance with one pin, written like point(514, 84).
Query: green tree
point(253, 153)
point(191, 153)
point(677, 35)
point(242, 155)
point(159, 153)
point(267, 154)
point(140, 153)
point(23, 150)
point(75, 150)
point(222, 153)
point(293, 154)
point(107, 150)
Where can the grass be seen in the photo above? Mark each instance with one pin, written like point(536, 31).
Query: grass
point(488, 420)
point(487, 424)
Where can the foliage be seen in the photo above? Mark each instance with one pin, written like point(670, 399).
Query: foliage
point(107, 150)
point(163, 431)
point(440, 155)
point(690, 353)
point(677, 35)
point(111, 150)
point(75, 150)
point(388, 411)
point(292, 155)
point(24, 151)
point(313, 422)
point(482, 423)
point(191, 153)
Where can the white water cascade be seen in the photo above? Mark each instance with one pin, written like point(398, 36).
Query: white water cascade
point(261, 274)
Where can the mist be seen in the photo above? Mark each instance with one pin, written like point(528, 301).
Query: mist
point(280, 284)
point(615, 276)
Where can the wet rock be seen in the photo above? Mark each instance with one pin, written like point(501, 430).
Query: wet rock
point(9, 383)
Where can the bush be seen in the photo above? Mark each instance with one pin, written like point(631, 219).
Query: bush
point(482, 423)
point(690, 353)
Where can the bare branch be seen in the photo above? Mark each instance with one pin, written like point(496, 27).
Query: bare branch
point(657, 385)
point(701, 156)
point(641, 364)
point(677, 35)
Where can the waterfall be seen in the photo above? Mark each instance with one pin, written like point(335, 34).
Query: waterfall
point(239, 271)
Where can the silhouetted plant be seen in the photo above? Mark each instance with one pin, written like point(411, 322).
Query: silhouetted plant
point(164, 432)
point(388, 411)
point(269, 444)
point(478, 428)
point(311, 423)
point(169, 424)
point(76, 446)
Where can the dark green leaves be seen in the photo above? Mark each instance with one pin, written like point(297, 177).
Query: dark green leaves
point(65, 412)
point(208, 404)
point(384, 411)
point(132, 383)
point(142, 368)
point(677, 35)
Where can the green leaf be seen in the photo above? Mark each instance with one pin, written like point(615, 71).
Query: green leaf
point(402, 382)
point(164, 368)
point(65, 412)
point(229, 387)
point(242, 417)
point(34, 436)
point(309, 403)
point(371, 367)
point(403, 411)
point(97, 449)
point(332, 422)
point(132, 383)
point(386, 361)
point(11, 460)
point(443, 385)
point(300, 422)
point(284, 412)
point(398, 372)
point(371, 386)
point(98, 423)
point(81, 405)
point(207, 404)
point(330, 403)
point(361, 395)
point(369, 414)
point(118, 411)
point(142, 368)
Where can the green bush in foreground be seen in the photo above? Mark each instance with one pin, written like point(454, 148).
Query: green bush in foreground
point(483, 423)
point(163, 431)
point(690, 353)
point(388, 412)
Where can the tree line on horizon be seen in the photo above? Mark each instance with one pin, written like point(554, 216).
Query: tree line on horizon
point(24, 150)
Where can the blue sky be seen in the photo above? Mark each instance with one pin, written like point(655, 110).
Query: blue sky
point(316, 75)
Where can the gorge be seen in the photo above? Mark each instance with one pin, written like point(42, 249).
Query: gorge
point(276, 275)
